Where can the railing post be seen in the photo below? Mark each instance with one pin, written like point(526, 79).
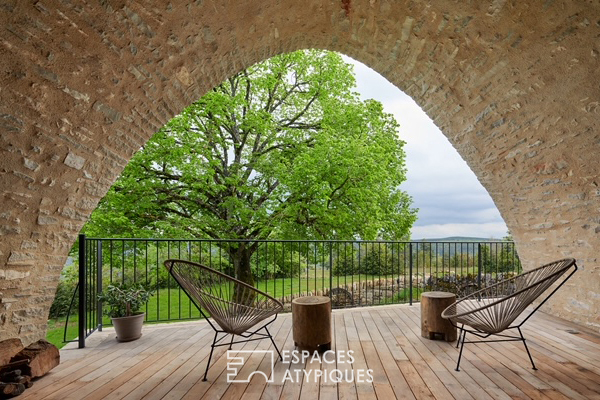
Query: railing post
point(479, 266)
point(99, 283)
point(410, 274)
point(82, 290)
point(331, 267)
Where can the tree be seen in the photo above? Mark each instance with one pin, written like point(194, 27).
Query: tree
point(282, 149)
point(502, 258)
point(509, 259)
point(370, 259)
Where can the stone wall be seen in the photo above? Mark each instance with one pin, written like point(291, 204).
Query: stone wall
point(513, 85)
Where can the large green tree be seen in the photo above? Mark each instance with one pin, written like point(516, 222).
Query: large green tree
point(282, 149)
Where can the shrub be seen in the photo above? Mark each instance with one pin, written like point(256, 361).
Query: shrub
point(124, 300)
point(62, 299)
point(64, 293)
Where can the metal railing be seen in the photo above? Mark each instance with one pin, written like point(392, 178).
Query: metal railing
point(352, 273)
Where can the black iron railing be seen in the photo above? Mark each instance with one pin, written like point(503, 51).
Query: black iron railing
point(352, 273)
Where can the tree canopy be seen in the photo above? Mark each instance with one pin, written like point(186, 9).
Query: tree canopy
point(283, 149)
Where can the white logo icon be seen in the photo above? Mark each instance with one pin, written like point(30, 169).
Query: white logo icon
point(235, 360)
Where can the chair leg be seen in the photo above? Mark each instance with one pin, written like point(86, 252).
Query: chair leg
point(459, 335)
point(527, 349)
point(274, 345)
point(212, 348)
point(464, 336)
point(231, 343)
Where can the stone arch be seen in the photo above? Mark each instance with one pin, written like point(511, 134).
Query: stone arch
point(513, 85)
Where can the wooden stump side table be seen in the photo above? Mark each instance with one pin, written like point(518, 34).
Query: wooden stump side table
point(432, 323)
point(311, 323)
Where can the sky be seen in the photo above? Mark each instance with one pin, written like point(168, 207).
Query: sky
point(450, 199)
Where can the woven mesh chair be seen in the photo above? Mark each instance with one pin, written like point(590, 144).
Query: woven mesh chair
point(495, 309)
point(236, 307)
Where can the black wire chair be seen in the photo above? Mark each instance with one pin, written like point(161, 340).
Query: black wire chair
point(493, 310)
point(235, 306)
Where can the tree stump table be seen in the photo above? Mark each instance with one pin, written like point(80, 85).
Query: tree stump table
point(432, 323)
point(311, 323)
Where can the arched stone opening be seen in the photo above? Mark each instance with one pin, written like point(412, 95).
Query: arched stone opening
point(513, 85)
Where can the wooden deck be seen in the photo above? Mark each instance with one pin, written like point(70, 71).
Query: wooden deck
point(169, 360)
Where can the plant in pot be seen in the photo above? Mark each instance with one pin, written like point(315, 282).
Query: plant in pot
point(124, 307)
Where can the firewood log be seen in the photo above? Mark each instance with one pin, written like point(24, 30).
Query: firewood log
point(23, 379)
point(8, 348)
point(8, 388)
point(10, 376)
point(42, 356)
point(12, 366)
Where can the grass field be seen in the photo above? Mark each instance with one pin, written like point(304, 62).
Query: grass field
point(166, 304)
point(56, 330)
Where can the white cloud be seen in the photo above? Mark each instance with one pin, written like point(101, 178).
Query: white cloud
point(451, 200)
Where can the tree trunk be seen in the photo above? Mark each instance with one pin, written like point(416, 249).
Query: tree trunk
point(241, 262)
point(243, 272)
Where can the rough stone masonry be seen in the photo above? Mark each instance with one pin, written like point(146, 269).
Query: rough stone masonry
point(514, 85)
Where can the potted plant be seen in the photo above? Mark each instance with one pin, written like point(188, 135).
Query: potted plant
point(124, 307)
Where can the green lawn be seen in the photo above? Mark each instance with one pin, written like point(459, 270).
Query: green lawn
point(56, 329)
point(282, 287)
point(166, 304)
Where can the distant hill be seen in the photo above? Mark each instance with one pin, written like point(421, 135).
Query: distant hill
point(449, 246)
point(459, 239)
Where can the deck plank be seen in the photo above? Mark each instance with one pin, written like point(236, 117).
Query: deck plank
point(473, 382)
point(258, 383)
point(168, 362)
point(346, 390)
point(364, 389)
point(387, 354)
point(258, 362)
point(328, 387)
point(284, 342)
point(410, 345)
point(528, 389)
point(95, 370)
point(129, 380)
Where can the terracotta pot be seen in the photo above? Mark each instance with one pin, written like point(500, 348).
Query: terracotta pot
point(129, 328)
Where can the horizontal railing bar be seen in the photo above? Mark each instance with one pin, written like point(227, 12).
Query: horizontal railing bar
point(291, 241)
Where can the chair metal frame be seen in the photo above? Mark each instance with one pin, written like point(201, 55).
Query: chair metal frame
point(490, 308)
point(271, 307)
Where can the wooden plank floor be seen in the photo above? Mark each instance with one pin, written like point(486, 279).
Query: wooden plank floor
point(169, 360)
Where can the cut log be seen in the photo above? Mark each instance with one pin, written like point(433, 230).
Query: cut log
point(432, 323)
point(13, 366)
point(42, 356)
point(8, 349)
point(23, 379)
point(20, 389)
point(10, 376)
point(311, 323)
point(8, 390)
